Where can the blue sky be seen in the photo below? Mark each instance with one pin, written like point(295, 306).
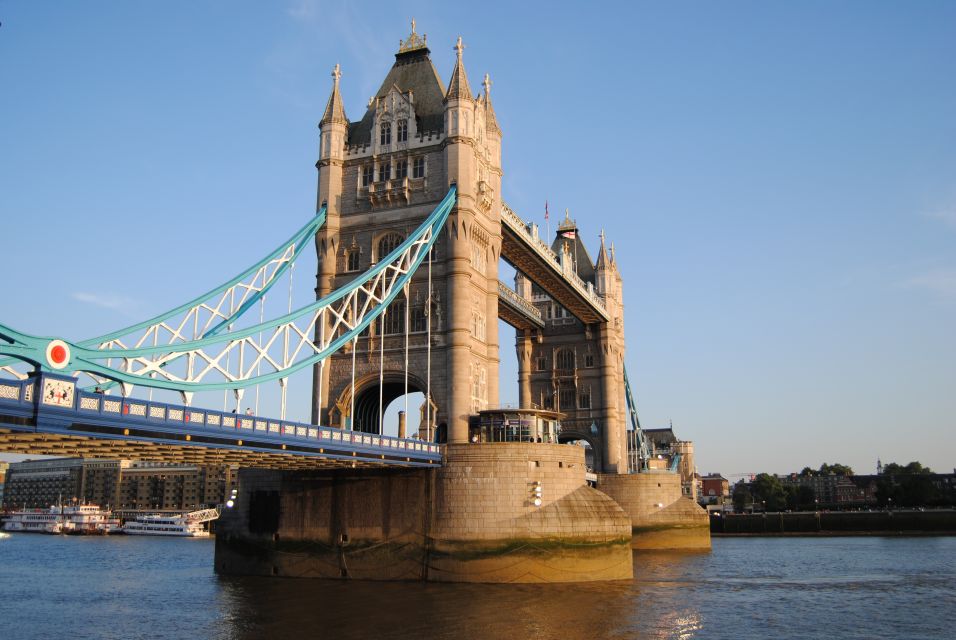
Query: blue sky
point(779, 180)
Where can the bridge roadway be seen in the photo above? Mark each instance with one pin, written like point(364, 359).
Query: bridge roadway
point(527, 252)
point(48, 415)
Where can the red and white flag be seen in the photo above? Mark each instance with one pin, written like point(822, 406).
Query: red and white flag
point(567, 234)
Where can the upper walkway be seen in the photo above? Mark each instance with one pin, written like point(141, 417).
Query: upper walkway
point(49, 415)
point(516, 311)
point(527, 252)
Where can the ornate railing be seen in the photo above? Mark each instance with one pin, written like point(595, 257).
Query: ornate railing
point(505, 291)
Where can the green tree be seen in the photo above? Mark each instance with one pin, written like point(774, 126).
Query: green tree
point(836, 469)
point(742, 497)
point(907, 486)
point(768, 491)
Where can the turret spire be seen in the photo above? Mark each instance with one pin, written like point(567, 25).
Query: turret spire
point(458, 84)
point(602, 261)
point(491, 121)
point(334, 111)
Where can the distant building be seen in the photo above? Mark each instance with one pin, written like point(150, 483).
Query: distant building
point(120, 484)
point(150, 486)
point(714, 489)
point(40, 483)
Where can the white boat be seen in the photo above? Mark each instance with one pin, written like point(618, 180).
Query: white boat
point(85, 519)
point(185, 525)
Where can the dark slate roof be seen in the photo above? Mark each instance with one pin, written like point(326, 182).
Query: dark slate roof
point(579, 252)
point(412, 70)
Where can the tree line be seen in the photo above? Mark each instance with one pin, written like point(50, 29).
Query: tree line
point(910, 485)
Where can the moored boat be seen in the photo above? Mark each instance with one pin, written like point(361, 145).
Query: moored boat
point(186, 525)
point(86, 519)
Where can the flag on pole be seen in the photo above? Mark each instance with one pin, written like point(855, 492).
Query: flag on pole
point(545, 209)
point(568, 234)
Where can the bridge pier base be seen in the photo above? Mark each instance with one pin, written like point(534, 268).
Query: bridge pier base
point(661, 517)
point(473, 520)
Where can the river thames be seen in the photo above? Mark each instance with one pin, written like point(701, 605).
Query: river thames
point(140, 587)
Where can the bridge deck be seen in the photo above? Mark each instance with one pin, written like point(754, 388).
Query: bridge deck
point(516, 311)
point(523, 249)
point(47, 415)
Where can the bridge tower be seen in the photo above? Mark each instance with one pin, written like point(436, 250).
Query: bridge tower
point(380, 176)
point(577, 368)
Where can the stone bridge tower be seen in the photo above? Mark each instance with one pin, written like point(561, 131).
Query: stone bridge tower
point(577, 368)
point(380, 177)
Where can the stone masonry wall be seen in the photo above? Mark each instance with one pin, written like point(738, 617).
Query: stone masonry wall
point(661, 518)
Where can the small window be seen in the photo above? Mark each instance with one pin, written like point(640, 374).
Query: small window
point(584, 400)
point(565, 359)
point(401, 169)
point(387, 244)
point(386, 133)
point(402, 133)
point(418, 167)
point(542, 364)
point(419, 320)
point(567, 399)
point(395, 318)
point(385, 172)
point(353, 260)
point(588, 359)
point(368, 171)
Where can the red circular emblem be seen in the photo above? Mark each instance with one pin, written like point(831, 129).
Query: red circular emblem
point(57, 354)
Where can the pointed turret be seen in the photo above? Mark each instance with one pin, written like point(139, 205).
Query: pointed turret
point(458, 87)
point(491, 121)
point(334, 111)
point(603, 261)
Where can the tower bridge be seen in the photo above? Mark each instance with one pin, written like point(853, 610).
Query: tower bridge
point(410, 230)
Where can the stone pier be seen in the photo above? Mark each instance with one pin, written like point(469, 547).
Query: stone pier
point(661, 517)
point(473, 520)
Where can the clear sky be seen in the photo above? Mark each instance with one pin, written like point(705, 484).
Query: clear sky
point(779, 180)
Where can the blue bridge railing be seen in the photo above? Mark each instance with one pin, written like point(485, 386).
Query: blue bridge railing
point(53, 403)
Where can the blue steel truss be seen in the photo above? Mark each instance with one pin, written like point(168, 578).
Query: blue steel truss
point(638, 434)
point(202, 364)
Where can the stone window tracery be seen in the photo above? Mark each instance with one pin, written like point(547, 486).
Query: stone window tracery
point(565, 359)
point(387, 244)
point(401, 135)
point(386, 134)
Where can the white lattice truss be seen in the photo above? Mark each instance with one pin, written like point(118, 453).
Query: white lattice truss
point(269, 351)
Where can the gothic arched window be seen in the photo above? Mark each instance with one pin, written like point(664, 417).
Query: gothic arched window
point(352, 260)
point(565, 359)
point(386, 130)
point(402, 134)
point(388, 243)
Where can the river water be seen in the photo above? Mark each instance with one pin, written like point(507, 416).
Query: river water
point(141, 587)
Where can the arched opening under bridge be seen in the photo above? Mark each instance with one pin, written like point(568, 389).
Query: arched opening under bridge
point(377, 406)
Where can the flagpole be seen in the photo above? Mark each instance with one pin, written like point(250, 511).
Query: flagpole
point(547, 222)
